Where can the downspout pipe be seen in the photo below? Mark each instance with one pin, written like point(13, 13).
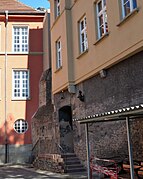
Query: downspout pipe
point(6, 42)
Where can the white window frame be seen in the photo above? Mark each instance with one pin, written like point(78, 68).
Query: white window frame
point(20, 43)
point(20, 126)
point(57, 7)
point(83, 35)
point(131, 7)
point(19, 85)
point(58, 54)
point(102, 14)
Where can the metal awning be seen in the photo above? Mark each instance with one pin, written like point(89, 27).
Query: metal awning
point(119, 114)
point(132, 112)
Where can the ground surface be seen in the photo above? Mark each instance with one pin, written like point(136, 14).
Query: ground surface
point(26, 172)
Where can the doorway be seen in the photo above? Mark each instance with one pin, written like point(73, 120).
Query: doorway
point(66, 129)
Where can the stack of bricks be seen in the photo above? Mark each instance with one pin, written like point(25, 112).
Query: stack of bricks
point(51, 162)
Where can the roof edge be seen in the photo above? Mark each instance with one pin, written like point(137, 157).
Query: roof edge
point(23, 12)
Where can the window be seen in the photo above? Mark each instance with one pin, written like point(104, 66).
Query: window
point(20, 39)
point(83, 35)
point(101, 18)
point(128, 6)
point(20, 84)
point(59, 54)
point(20, 126)
point(57, 7)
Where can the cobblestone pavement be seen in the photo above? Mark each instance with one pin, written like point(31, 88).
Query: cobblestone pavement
point(26, 172)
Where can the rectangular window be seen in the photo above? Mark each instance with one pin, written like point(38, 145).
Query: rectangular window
point(101, 18)
point(57, 7)
point(20, 83)
point(20, 39)
point(59, 54)
point(83, 34)
point(128, 6)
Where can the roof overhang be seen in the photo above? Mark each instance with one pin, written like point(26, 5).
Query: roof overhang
point(23, 13)
point(115, 115)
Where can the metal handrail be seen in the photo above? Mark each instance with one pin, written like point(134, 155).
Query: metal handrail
point(35, 144)
point(60, 147)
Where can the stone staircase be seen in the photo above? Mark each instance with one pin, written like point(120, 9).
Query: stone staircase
point(64, 163)
point(72, 163)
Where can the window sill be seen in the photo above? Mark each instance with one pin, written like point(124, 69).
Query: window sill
point(58, 69)
point(26, 99)
point(101, 38)
point(15, 53)
point(136, 10)
point(83, 53)
point(19, 53)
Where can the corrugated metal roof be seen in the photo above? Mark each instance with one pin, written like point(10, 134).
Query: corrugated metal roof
point(119, 114)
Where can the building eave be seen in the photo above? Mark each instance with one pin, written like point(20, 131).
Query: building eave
point(23, 13)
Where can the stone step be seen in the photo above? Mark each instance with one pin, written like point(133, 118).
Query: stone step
point(75, 170)
point(68, 155)
point(70, 158)
point(74, 166)
point(72, 162)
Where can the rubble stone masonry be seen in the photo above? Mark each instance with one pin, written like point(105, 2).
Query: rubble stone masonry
point(122, 87)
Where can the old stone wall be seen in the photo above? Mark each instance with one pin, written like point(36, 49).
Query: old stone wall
point(51, 162)
point(44, 127)
point(122, 87)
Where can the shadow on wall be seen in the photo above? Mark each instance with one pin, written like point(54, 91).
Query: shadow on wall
point(35, 67)
point(12, 146)
point(35, 40)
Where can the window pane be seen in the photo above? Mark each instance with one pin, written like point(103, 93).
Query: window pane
point(99, 6)
point(126, 7)
point(134, 4)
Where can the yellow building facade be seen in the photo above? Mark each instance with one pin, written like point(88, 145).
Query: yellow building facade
point(100, 53)
point(96, 52)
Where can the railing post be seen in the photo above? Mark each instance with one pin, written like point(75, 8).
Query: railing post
point(130, 148)
point(88, 151)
